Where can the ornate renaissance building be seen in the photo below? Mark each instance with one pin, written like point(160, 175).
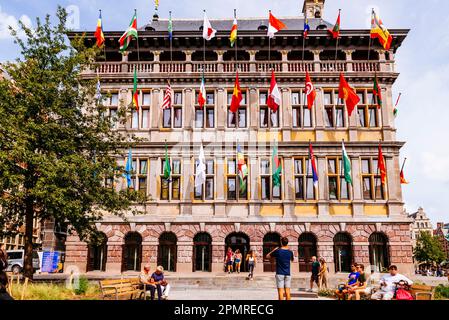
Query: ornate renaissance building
point(186, 228)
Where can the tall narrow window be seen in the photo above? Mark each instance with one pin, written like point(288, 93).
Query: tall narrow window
point(111, 101)
point(205, 117)
point(134, 119)
point(372, 186)
point(143, 176)
point(236, 190)
point(207, 190)
point(367, 110)
point(304, 188)
point(146, 104)
point(172, 117)
point(267, 118)
point(238, 119)
point(302, 117)
point(268, 190)
point(334, 110)
point(171, 188)
point(338, 187)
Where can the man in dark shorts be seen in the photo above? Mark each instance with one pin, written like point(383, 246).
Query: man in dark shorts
point(315, 273)
point(284, 257)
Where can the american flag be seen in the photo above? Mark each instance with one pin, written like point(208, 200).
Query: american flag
point(167, 103)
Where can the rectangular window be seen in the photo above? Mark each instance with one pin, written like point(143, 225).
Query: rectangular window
point(334, 110)
point(113, 117)
point(238, 119)
point(171, 188)
point(205, 117)
point(207, 190)
point(268, 190)
point(110, 100)
point(237, 190)
point(304, 188)
point(267, 118)
point(338, 187)
point(145, 118)
point(166, 118)
point(367, 110)
point(134, 119)
point(146, 99)
point(372, 186)
point(172, 117)
point(302, 117)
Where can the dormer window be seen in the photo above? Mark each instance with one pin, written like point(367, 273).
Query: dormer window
point(262, 27)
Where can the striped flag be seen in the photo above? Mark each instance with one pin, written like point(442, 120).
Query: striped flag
point(129, 34)
point(312, 163)
point(99, 35)
point(346, 162)
point(274, 26)
point(242, 167)
point(168, 97)
point(135, 91)
point(233, 37)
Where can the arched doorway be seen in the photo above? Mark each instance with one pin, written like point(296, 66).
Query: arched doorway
point(240, 241)
point(132, 252)
point(307, 248)
point(378, 252)
point(167, 253)
point(97, 253)
point(342, 252)
point(202, 252)
point(271, 241)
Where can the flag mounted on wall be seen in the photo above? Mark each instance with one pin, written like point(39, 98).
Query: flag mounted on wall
point(274, 96)
point(312, 164)
point(129, 169)
point(346, 162)
point(381, 167)
point(135, 91)
point(237, 96)
point(310, 91)
point(377, 92)
point(202, 93)
point(242, 168)
point(277, 167)
point(348, 94)
point(168, 98)
point(380, 32)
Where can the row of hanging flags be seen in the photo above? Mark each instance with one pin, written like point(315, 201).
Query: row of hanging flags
point(346, 93)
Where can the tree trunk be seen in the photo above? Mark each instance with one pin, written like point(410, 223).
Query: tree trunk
point(28, 270)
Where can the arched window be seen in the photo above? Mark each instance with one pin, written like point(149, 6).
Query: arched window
point(97, 253)
point(132, 252)
point(378, 252)
point(270, 241)
point(240, 241)
point(343, 252)
point(306, 250)
point(167, 253)
point(202, 252)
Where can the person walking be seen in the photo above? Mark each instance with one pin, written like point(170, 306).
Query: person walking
point(229, 260)
point(251, 260)
point(315, 273)
point(284, 257)
point(238, 260)
point(322, 276)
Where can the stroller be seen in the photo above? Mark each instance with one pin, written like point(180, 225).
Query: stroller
point(402, 291)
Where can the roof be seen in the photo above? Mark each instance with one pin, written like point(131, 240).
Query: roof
point(246, 24)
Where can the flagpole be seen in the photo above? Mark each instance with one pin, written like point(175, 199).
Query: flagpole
point(303, 36)
point(104, 45)
point(138, 49)
point(369, 46)
point(307, 172)
point(377, 173)
point(204, 48)
point(236, 43)
point(341, 172)
point(171, 46)
point(269, 41)
point(336, 44)
point(403, 165)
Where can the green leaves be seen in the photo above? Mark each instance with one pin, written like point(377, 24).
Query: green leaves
point(428, 249)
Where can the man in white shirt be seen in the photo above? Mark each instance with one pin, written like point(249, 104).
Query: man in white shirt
point(388, 284)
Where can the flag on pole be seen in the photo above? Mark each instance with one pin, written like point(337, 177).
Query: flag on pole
point(242, 168)
point(277, 167)
point(167, 102)
point(312, 163)
point(346, 162)
point(402, 176)
point(382, 169)
point(380, 32)
point(237, 96)
point(377, 92)
point(99, 35)
point(167, 167)
point(274, 96)
point(156, 4)
point(129, 34)
point(208, 31)
point(233, 37)
point(395, 111)
point(336, 30)
point(135, 91)
point(129, 169)
point(200, 176)
point(274, 25)
point(202, 93)
point(306, 28)
point(310, 91)
point(99, 95)
point(348, 94)
point(170, 27)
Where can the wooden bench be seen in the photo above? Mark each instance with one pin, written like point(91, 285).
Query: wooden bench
point(422, 292)
point(121, 288)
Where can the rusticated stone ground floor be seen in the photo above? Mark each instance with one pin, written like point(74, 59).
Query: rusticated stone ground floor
point(200, 247)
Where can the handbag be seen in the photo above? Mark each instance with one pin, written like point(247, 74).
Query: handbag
point(402, 294)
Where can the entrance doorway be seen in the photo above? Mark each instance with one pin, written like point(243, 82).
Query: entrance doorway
point(240, 241)
point(271, 241)
point(97, 253)
point(167, 253)
point(132, 252)
point(306, 250)
point(342, 252)
point(202, 252)
point(378, 252)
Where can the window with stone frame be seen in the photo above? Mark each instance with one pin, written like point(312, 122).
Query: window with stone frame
point(368, 113)
point(338, 187)
point(372, 186)
point(301, 115)
point(334, 109)
point(304, 188)
point(172, 117)
point(145, 110)
point(205, 117)
point(143, 176)
point(267, 118)
point(238, 119)
point(234, 183)
point(111, 102)
point(206, 191)
point(268, 190)
point(171, 188)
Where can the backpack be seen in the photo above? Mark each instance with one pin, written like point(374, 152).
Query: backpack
point(402, 294)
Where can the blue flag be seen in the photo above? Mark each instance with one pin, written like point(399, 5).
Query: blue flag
point(129, 168)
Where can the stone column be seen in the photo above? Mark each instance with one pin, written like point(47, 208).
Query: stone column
point(124, 63)
point(349, 66)
point(254, 184)
point(394, 189)
point(285, 60)
point(221, 111)
point(318, 114)
point(188, 54)
point(155, 109)
point(75, 255)
point(157, 66)
point(187, 183)
point(289, 186)
point(323, 204)
point(252, 59)
point(316, 60)
point(125, 98)
point(218, 254)
point(220, 54)
point(185, 255)
point(387, 114)
point(154, 180)
point(286, 113)
point(189, 97)
point(357, 196)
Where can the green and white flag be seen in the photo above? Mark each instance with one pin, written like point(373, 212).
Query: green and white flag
point(167, 168)
point(129, 34)
point(346, 162)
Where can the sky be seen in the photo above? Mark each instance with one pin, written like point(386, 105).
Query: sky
point(423, 120)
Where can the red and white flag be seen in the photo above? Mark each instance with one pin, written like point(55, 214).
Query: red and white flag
point(310, 91)
point(202, 93)
point(274, 96)
point(168, 101)
point(208, 31)
point(274, 26)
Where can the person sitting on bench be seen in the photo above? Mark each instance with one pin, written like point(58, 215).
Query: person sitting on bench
point(162, 286)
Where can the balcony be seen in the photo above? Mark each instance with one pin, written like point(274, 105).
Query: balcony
point(245, 67)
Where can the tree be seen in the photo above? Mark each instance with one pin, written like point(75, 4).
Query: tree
point(56, 146)
point(428, 249)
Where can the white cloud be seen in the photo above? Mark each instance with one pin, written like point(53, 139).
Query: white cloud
point(435, 166)
point(7, 20)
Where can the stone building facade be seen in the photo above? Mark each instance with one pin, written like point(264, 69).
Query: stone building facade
point(188, 229)
point(421, 223)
